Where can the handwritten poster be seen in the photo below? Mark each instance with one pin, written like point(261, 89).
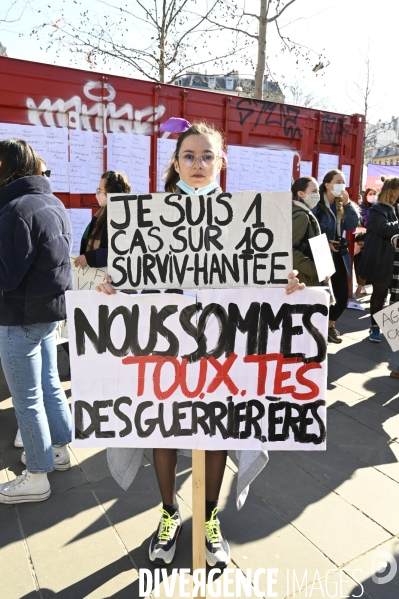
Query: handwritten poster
point(322, 256)
point(50, 143)
point(86, 160)
point(306, 168)
point(346, 169)
point(225, 370)
point(130, 154)
point(165, 149)
point(259, 168)
point(327, 162)
point(80, 218)
point(220, 241)
point(388, 321)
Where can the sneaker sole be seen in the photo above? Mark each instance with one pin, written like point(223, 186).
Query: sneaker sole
point(59, 467)
point(375, 340)
point(214, 563)
point(25, 498)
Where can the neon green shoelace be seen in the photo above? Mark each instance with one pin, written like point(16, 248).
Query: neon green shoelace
point(168, 526)
point(212, 527)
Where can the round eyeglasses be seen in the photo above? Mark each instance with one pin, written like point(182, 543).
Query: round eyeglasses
point(208, 159)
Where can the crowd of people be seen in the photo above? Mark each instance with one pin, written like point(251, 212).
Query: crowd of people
point(35, 273)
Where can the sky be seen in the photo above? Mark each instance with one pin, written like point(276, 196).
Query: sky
point(345, 32)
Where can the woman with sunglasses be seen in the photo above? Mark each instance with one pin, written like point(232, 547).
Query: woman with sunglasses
point(94, 244)
point(196, 162)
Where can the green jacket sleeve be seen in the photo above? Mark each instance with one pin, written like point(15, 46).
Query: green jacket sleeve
point(305, 266)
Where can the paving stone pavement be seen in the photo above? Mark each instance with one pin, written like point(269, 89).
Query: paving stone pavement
point(326, 521)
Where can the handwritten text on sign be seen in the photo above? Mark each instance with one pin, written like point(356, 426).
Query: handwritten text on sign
point(240, 369)
point(388, 321)
point(218, 241)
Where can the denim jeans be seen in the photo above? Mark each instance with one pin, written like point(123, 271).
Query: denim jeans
point(29, 360)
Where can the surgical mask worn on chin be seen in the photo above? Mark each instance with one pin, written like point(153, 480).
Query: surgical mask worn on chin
point(311, 200)
point(201, 191)
point(337, 188)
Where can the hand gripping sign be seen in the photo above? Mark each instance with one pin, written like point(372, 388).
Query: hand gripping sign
point(234, 369)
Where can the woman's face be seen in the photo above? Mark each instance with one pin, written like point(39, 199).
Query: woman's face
point(192, 149)
point(371, 197)
point(313, 187)
point(101, 194)
point(337, 179)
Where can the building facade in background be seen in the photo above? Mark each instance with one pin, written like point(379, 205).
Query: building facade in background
point(232, 84)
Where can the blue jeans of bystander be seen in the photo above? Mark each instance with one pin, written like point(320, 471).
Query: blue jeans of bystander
point(29, 360)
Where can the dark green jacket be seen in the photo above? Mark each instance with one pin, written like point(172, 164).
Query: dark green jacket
point(302, 224)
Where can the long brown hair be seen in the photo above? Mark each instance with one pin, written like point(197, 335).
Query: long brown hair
point(17, 159)
point(197, 128)
point(390, 191)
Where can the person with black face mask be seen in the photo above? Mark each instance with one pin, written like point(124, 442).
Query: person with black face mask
point(305, 196)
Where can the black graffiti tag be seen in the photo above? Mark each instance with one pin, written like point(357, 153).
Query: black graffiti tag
point(274, 114)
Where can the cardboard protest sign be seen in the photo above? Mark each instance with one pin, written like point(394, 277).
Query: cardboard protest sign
point(322, 256)
point(224, 240)
point(388, 321)
point(86, 278)
point(229, 369)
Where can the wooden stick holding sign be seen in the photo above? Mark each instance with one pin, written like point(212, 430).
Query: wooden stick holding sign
point(198, 475)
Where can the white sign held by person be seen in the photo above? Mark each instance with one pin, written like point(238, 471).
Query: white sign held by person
point(388, 321)
point(224, 240)
point(322, 256)
point(229, 369)
point(86, 278)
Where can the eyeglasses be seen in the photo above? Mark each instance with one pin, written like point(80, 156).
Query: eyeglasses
point(46, 174)
point(98, 190)
point(208, 159)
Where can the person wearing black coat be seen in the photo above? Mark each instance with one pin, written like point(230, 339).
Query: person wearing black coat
point(94, 243)
point(378, 253)
point(35, 272)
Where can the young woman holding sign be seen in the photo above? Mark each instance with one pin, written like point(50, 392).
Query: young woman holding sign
point(94, 244)
point(196, 162)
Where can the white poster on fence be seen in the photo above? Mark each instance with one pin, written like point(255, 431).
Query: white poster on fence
point(229, 369)
point(223, 240)
point(388, 321)
point(322, 256)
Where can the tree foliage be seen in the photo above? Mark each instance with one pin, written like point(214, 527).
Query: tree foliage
point(158, 39)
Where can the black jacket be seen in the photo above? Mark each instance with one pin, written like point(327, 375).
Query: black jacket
point(35, 240)
point(378, 254)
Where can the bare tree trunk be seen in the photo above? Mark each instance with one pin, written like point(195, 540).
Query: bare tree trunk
point(260, 69)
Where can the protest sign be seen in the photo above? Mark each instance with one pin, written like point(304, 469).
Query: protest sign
point(86, 277)
point(322, 256)
point(229, 369)
point(224, 240)
point(388, 321)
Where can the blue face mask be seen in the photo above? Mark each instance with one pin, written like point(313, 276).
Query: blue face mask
point(201, 191)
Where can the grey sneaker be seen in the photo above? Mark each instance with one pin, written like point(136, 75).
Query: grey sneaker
point(27, 487)
point(333, 335)
point(163, 543)
point(216, 546)
point(62, 460)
